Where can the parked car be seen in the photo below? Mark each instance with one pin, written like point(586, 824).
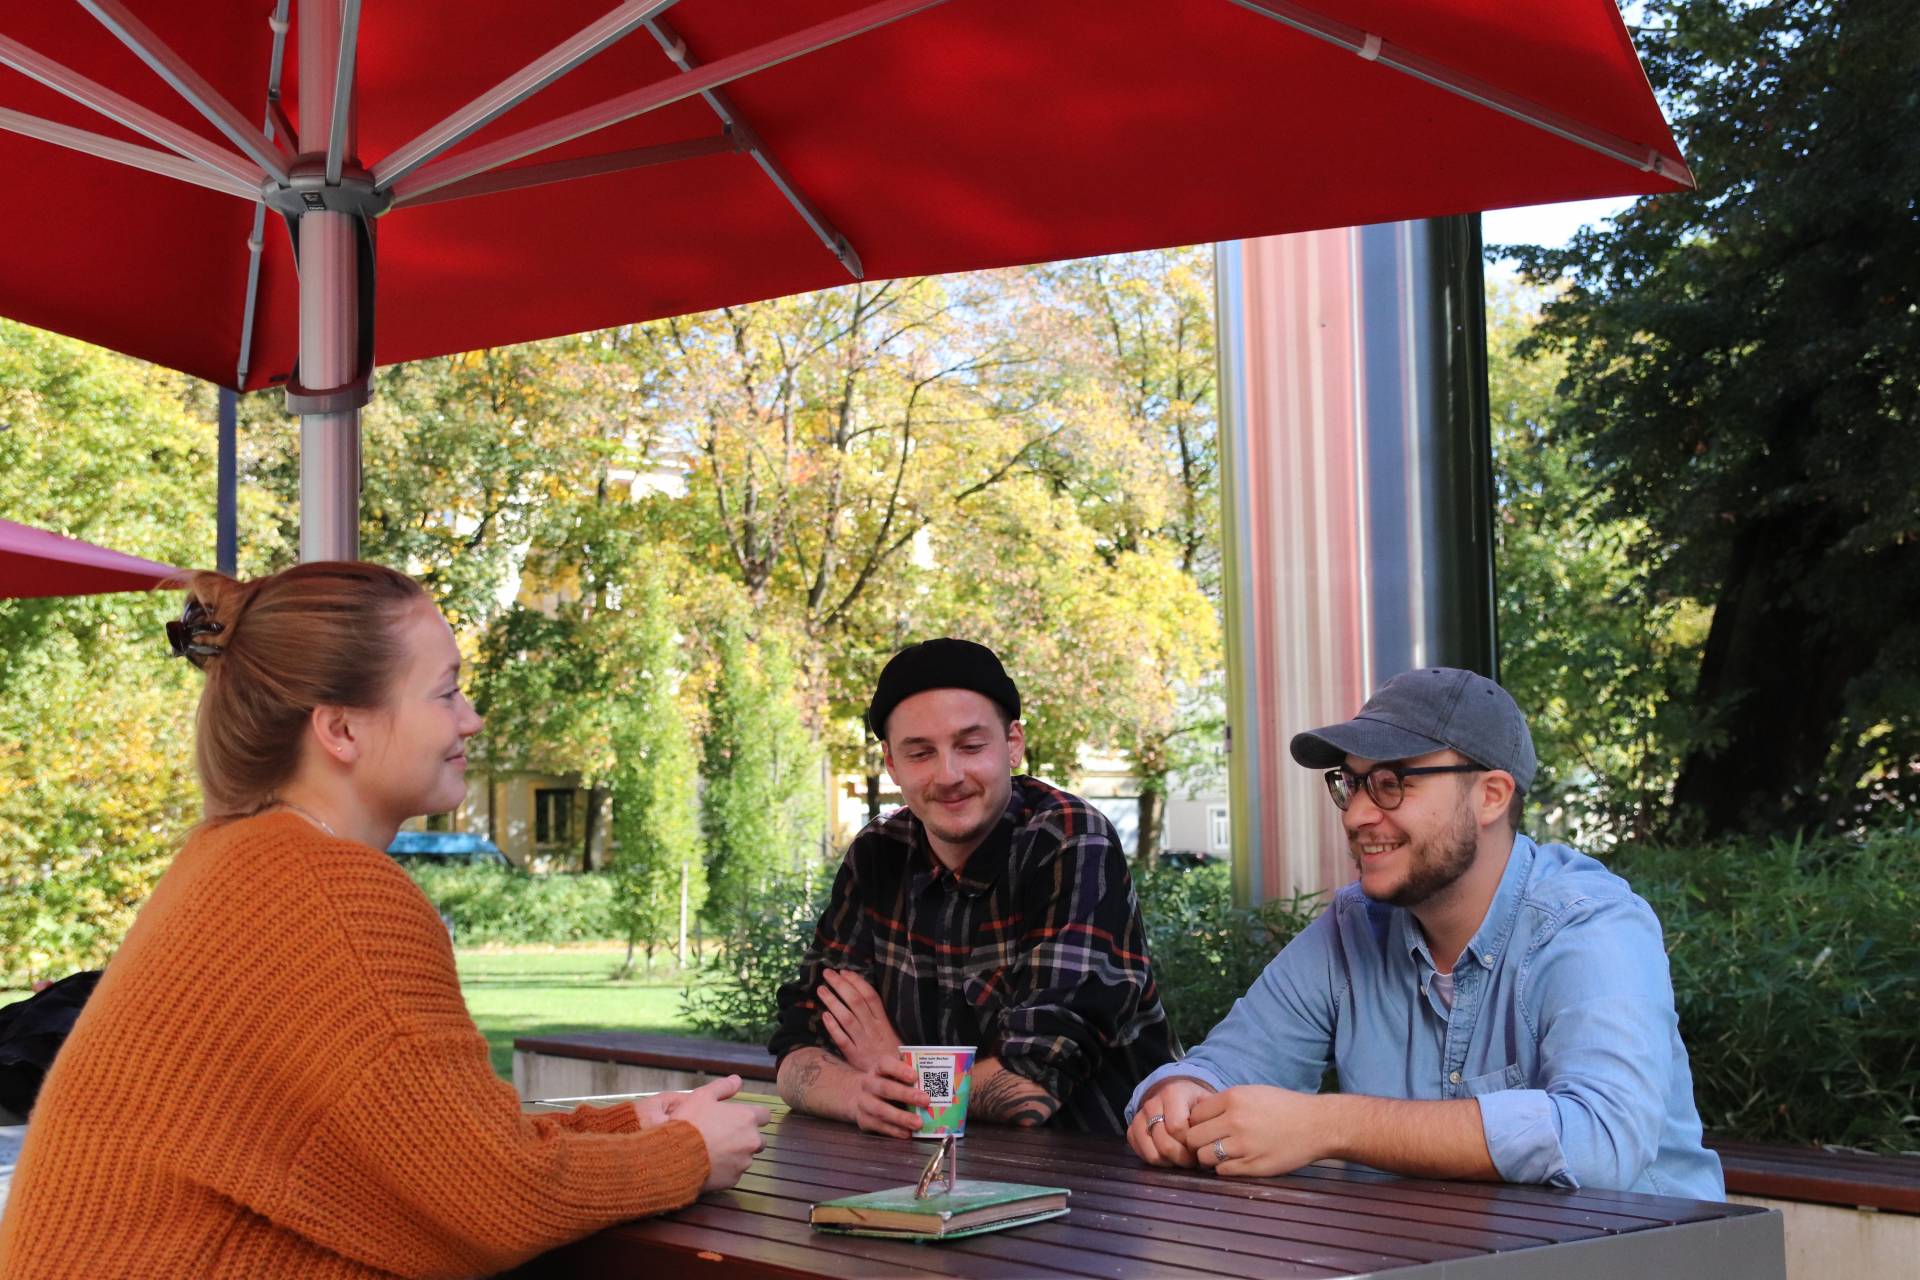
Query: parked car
point(1189, 859)
point(446, 848)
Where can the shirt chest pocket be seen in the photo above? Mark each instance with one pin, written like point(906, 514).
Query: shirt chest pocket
point(1507, 1077)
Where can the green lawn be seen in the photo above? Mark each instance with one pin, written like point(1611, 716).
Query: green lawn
point(545, 991)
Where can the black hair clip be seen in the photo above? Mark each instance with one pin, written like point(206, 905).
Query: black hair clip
point(184, 635)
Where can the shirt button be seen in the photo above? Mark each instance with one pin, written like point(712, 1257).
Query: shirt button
point(1453, 1077)
point(1486, 961)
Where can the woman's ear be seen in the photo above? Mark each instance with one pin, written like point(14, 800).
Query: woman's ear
point(333, 729)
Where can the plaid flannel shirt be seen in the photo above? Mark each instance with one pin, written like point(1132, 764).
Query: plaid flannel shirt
point(1033, 952)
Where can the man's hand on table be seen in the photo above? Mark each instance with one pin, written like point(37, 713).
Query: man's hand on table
point(853, 1015)
point(885, 1096)
point(1158, 1133)
point(878, 1100)
point(1264, 1130)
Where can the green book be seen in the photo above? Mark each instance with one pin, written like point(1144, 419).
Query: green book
point(969, 1209)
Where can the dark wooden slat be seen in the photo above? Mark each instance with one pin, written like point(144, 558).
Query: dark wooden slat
point(1607, 1209)
point(669, 1053)
point(795, 1208)
point(1889, 1183)
point(1035, 1256)
point(1123, 1217)
point(1522, 1222)
point(1612, 1211)
point(702, 1253)
point(936, 1260)
point(1375, 1225)
point(1327, 1243)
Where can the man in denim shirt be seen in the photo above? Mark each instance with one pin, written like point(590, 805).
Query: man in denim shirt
point(1495, 1008)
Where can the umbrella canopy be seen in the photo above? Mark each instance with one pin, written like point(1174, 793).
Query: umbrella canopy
point(537, 169)
point(35, 563)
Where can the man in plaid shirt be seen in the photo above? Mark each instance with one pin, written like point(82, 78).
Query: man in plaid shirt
point(991, 910)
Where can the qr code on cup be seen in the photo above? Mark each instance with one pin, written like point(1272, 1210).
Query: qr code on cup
point(937, 1084)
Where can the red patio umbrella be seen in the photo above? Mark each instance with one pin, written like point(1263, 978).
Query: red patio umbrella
point(34, 562)
point(537, 169)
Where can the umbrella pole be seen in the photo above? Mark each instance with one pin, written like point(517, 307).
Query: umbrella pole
point(330, 291)
point(329, 442)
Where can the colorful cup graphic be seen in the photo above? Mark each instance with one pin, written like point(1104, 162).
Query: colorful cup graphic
point(945, 1072)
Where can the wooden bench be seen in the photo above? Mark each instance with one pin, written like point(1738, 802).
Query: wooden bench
point(602, 1062)
point(1814, 1175)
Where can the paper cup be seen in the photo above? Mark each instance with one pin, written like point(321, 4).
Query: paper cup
point(945, 1073)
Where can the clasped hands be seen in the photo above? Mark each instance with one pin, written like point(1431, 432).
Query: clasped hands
point(1260, 1130)
point(888, 1090)
point(731, 1130)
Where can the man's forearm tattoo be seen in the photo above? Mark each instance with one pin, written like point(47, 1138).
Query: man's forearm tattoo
point(804, 1077)
point(1010, 1098)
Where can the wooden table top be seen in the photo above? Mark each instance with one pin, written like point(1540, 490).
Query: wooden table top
point(1130, 1220)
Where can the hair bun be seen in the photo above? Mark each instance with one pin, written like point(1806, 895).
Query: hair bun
point(211, 610)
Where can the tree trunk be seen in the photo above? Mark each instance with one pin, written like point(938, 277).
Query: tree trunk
point(1153, 807)
point(683, 915)
point(591, 826)
point(873, 796)
point(1773, 682)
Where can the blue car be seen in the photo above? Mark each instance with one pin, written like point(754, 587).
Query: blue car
point(446, 848)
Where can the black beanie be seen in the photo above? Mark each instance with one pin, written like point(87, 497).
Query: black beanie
point(940, 664)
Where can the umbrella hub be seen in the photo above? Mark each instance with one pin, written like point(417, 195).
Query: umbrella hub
point(308, 191)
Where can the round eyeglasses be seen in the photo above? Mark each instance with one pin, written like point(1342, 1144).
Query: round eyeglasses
point(1385, 784)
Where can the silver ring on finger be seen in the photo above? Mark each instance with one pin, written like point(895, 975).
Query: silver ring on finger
point(1220, 1149)
point(1154, 1121)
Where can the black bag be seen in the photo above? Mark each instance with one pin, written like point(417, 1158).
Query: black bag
point(31, 1033)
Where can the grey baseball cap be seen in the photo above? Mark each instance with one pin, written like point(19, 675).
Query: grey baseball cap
point(1430, 709)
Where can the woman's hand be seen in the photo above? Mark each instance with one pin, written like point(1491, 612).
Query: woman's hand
point(731, 1129)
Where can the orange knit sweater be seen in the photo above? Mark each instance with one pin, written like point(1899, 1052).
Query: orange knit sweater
point(277, 1077)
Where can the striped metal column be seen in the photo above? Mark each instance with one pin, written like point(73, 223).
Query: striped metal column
point(1357, 484)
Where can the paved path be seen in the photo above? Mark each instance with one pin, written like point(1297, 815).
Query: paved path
point(11, 1136)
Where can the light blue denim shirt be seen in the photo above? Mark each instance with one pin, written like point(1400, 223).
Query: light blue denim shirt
point(1562, 1026)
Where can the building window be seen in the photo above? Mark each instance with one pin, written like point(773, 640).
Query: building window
point(1219, 829)
point(553, 815)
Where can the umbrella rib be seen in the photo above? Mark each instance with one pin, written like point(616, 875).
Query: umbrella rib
point(654, 96)
point(164, 163)
point(1371, 47)
point(189, 84)
point(124, 111)
point(342, 91)
point(256, 238)
point(536, 175)
point(515, 89)
point(837, 244)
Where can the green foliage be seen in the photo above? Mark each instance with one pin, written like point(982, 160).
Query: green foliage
point(495, 904)
point(1601, 660)
point(1796, 970)
point(659, 877)
point(736, 999)
point(461, 455)
point(1206, 951)
point(1743, 379)
point(96, 785)
point(760, 774)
